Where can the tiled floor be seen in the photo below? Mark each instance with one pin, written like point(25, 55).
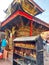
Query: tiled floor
point(5, 62)
point(46, 58)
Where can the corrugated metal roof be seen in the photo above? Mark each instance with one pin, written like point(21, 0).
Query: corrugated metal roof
point(31, 38)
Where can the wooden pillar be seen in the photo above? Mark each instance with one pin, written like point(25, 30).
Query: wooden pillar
point(31, 28)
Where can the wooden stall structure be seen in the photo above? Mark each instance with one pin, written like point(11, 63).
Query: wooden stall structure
point(22, 21)
point(28, 51)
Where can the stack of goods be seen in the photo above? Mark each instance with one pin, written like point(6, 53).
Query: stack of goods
point(33, 55)
point(26, 52)
point(29, 46)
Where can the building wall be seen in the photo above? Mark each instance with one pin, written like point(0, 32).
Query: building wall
point(8, 12)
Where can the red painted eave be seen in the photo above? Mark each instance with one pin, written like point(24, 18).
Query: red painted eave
point(17, 13)
point(41, 22)
point(24, 14)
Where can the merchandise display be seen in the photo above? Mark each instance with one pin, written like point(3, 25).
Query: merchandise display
point(26, 51)
point(29, 46)
point(22, 29)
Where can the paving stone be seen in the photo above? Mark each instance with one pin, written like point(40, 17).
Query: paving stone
point(5, 62)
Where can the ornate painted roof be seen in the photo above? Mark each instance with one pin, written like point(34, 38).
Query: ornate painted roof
point(26, 15)
point(28, 6)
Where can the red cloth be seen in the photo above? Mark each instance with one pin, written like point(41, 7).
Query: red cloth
point(1, 56)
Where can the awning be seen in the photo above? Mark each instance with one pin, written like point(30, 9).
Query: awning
point(31, 38)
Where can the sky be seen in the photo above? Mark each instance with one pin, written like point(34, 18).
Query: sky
point(3, 6)
point(44, 4)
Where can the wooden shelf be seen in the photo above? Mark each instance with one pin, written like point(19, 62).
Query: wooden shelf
point(27, 57)
point(16, 61)
point(25, 48)
point(21, 62)
point(26, 52)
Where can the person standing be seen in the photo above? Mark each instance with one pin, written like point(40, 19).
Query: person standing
point(0, 45)
point(3, 44)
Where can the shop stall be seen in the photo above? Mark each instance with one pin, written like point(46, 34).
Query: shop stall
point(28, 51)
point(22, 29)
